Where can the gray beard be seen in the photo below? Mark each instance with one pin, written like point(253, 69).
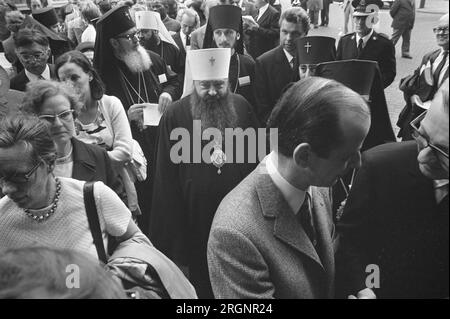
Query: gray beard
point(136, 60)
point(219, 113)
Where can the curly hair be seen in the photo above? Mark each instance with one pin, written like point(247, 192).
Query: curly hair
point(296, 15)
point(39, 91)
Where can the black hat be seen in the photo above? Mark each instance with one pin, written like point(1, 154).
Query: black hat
point(47, 16)
point(114, 22)
point(225, 17)
point(358, 75)
point(315, 50)
point(364, 8)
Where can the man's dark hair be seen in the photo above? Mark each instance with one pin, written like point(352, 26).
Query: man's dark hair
point(310, 111)
point(29, 36)
point(298, 16)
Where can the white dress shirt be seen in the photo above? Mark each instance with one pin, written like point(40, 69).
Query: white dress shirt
point(33, 77)
point(436, 63)
point(289, 57)
point(365, 38)
point(294, 196)
point(261, 11)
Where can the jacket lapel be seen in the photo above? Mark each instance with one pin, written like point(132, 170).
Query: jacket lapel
point(83, 163)
point(283, 64)
point(323, 224)
point(263, 17)
point(286, 226)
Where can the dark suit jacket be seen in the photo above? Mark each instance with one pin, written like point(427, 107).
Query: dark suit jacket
point(403, 13)
point(379, 49)
point(272, 73)
point(92, 163)
point(417, 85)
point(258, 249)
point(267, 36)
point(391, 219)
point(20, 81)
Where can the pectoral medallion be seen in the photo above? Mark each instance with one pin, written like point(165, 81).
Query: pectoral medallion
point(218, 157)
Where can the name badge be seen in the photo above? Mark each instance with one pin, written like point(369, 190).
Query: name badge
point(245, 80)
point(162, 78)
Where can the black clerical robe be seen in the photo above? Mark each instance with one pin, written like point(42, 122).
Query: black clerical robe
point(241, 76)
point(186, 195)
point(169, 53)
point(157, 80)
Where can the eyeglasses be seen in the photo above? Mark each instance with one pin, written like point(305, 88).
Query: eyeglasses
point(34, 57)
point(64, 115)
point(129, 37)
point(440, 30)
point(421, 140)
point(20, 178)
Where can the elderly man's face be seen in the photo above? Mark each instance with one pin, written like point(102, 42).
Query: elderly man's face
point(361, 26)
point(187, 24)
point(211, 88)
point(441, 31)
point(34, 57)
point(434, 129)
point(126, 41)
point(22, 180)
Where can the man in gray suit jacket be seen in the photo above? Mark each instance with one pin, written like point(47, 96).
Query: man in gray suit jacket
point(273, 235)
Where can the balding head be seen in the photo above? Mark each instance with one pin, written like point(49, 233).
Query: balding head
point(441, 31)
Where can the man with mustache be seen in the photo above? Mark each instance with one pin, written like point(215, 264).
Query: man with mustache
point(192, 173)
point(224, 30)
point(137, 77)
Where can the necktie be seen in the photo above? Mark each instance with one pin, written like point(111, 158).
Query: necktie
point(305, 217)
point(292, 62)
point(360, 46)
point(439, 68)
point(40, 77)
point(188, 40)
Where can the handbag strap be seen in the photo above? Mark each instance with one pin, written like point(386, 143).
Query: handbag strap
point(94, 223)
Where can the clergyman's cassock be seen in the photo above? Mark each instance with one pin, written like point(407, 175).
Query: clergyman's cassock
point(133, 88)
point(187, 193)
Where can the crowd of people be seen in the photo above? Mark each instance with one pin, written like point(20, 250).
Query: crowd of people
point(214, 149)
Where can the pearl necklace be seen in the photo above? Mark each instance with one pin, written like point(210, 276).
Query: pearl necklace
point(52, 210)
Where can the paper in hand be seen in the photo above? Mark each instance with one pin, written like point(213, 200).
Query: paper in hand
point(152, 116)
point(249, 19)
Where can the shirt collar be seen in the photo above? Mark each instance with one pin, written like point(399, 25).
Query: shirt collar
point(293, 196)
point(289, 56)
point(262, 10)
point(33, 77)
point(365, 38)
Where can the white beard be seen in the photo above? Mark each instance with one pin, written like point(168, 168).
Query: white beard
point(137, 60)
